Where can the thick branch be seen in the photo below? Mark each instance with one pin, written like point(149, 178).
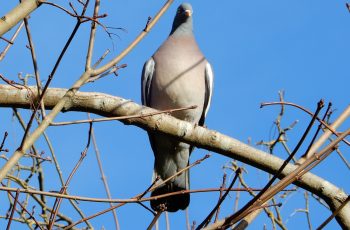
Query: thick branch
point(107, 105)
point(21, 11)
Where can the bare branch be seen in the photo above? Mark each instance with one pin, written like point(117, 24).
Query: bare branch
point(18, 13)
point(195, 135)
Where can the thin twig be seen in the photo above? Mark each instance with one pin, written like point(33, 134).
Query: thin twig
point(223, 185)
point(6, 40)
point(103, 177)
point(331, 128)
point(38, 157)
point(307, 209)
point(12, 211)
point(3, 143)
point(179, 172)
point(120, 117)
point(81, 18)
point(156, 217)
point(341, 156)
point(113, 70)
point(311, 145)
point(211, 214)
point(101, 58)
point(11, 82)
point(30, 214)
point(3, 53)
point(58, 201)
point(333, 214)
point(148, 189)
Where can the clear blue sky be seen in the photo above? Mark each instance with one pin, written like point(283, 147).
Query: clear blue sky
point(256, 49)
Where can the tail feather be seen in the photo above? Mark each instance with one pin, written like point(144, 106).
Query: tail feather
point(176, 202)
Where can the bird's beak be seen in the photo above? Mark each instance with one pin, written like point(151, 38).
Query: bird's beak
point(188, 13)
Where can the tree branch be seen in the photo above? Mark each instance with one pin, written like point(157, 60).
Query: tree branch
point(18, 13)
point(107, 105)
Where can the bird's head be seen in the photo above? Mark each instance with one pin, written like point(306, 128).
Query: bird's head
point(184, 11)
point(183, 18)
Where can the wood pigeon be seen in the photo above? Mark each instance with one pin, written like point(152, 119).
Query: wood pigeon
point(176, 76)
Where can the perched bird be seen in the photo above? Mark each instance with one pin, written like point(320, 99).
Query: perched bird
point(176, 76)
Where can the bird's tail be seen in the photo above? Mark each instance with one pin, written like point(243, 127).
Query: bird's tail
point(175, 202)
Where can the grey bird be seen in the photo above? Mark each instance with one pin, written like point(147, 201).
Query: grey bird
point(176, 76)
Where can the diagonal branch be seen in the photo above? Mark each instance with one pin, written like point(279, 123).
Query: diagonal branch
point(107, 105)
point(18, 13)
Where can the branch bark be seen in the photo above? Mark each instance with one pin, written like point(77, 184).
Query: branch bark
point(17, 14)
point(110, 106)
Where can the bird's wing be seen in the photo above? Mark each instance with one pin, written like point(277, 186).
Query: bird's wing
point(147, 74)
point(209, 79)
point(146, 80)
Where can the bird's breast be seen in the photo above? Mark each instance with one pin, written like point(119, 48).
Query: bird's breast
point(179, 78)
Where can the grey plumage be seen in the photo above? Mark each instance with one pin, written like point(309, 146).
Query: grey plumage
point(176, 76)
